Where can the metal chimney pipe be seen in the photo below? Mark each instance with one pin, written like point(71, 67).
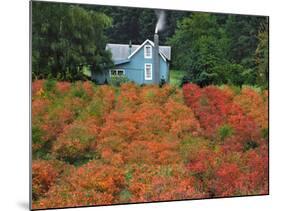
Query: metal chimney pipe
point(156, 59)
point(130, 47)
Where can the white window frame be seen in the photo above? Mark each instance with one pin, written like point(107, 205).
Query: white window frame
point(145, 71)
point(116, 71)
point(145, 51)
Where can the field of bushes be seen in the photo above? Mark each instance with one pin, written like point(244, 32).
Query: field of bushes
point(99, 145)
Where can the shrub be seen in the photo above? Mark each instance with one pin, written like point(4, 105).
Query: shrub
point(37, 87)
point(76, 144)
point(91, 184)
point(118, 80)
point(185, 80)
point(250, 145)
point(44, 174)
point(50, 85)
point(265, 133)
point(63, 87)
point(225, 131)
point(144, 143)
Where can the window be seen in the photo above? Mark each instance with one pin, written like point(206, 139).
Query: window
point(117, 72)
point(147, 51)
point(148, 71)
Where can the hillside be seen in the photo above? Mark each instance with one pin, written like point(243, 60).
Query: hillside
point(97, 145)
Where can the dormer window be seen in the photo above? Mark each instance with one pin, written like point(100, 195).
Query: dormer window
point(147, 51)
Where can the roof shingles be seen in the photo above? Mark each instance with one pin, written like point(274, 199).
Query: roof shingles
point(122, 52)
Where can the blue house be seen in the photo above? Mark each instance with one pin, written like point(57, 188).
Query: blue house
point(147, 63)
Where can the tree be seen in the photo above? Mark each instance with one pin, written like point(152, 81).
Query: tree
point(218, 49)
point(261, 56)
point(137, 24)
point(199, 45)
point(242, 32)
point(65, 38)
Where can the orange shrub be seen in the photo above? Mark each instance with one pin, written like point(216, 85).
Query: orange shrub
point(91, 184)
point(44, 174)
point(255, 105)
point(77, 141)
point(145, 143)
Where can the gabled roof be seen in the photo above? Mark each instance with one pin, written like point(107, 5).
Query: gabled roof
point(120, 52)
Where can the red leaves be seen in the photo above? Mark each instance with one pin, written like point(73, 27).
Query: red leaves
point(215, 107)
point(246, 114)
point(63, 87)
point(138, 144)
point(91, 184)
point(76, 140)
point(210, 106)
point(43, 177)
point(160, 182)
point(255, 105)
point(37, 87)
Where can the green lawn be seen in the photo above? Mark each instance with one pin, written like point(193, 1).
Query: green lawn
point(176, 77)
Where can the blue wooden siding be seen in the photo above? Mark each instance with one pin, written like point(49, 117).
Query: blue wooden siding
point(134, 69)
point(100, 77)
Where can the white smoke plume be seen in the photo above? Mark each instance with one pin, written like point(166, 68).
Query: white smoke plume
point(161, 20)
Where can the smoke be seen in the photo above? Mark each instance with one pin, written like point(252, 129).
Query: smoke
point(161, 20)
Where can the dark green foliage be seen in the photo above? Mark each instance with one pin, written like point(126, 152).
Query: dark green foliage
point(162, 82)
point(219, 49)
point(36, 135)
point(49, 85)
point(262, 60)
point(185, 79)
point(199, 48)
point(210, 48)
point(65, 38)
point(137, 24)
point(78, 92)
point(243, 31)
point(118, 80)
point(41, 149)
point(125, 196)
point(250, 145)
point(225, 131)
point(265, 133)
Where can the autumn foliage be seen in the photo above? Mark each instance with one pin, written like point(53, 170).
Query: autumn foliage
point(98, 145)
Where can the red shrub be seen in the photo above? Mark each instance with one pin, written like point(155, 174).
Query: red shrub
point(255, 105)
point(44, 175)
point(88, 88)
point(210, 106)
point(63, 87)
point(91, 184)
point(37, 87)
point(76, 141)
point(138, 144)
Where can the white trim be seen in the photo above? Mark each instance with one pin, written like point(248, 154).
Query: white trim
point(145, 74)
point(151, 43)
point(116, 70)
point(145, 51)
point(135, 51)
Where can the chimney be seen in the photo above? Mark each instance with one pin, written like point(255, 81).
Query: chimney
point(130, 47)
point(156, 59)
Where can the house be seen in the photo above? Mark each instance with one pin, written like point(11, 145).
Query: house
point(147, 63)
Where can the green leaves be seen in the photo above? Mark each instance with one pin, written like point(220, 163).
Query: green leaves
point(225, 131)
point(65, 38)
point(261, 56)
point(217, 49)
point(199, 44)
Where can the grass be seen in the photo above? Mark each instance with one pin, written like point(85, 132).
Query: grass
point(176, 77)
point(87, 71)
